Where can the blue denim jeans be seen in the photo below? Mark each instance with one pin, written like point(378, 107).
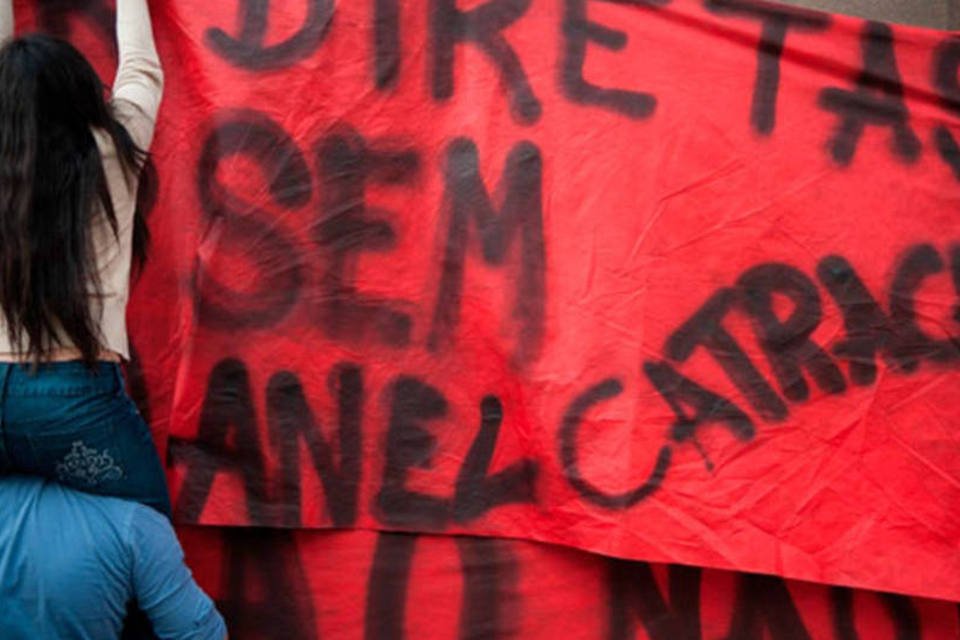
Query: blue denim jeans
point(79, 427)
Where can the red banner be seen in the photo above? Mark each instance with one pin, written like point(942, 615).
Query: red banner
point(667, 281)
point(354, 585)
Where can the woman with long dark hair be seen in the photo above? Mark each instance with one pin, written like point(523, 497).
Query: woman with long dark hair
point(70, 160)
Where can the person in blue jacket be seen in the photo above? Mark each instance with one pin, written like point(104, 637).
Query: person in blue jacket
point(71, 562)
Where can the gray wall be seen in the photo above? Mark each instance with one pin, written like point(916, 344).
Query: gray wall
point(940, 14)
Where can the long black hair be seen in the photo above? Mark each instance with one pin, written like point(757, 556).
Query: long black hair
point(52, 185)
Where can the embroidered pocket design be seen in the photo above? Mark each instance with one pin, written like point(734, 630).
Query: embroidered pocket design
point(88, 466)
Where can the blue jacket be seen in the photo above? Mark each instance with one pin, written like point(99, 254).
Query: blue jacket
point(70, 563)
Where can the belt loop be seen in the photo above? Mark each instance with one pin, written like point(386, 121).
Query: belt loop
point(5, 370)
point(118, 375)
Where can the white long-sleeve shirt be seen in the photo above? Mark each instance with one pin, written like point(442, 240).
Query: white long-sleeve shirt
point(137, 90)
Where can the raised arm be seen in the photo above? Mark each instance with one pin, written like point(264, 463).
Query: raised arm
point(6, 20)
point(139, 80)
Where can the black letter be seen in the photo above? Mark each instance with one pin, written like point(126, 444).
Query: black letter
point(903, 614)
point(705, 329)
point(290, 418)
point(868, 327)
point(787, 344)
point(279, 604)
point(633, 583)
point(765, 601)
point(946, 70)
point(578, 31)
point(476, 492)
point(346, 229)
point(227, 407)
point(776, 21)
point(247, 230)
point(410, 445)
point(386, 43)
point(919, 262)
point(52, 16)
point(490, 587)
point(569, 429)
point(248, 51)
point(491, 594)
point(482, 25)
point(877, 100)
point(387, 586)
point(708, 407)
point(521, 214)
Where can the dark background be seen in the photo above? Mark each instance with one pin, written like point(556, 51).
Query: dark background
point(940, 14)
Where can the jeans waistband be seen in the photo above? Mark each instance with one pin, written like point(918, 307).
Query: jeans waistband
point(4, 378)
point(60, 378)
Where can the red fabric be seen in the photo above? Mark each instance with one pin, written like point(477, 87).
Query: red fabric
point(715, 324)
point(273, 583)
